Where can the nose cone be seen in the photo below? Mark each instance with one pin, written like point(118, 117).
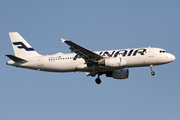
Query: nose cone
point(171, 57)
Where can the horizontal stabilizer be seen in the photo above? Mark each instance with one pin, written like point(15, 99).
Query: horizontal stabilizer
point(16, 59)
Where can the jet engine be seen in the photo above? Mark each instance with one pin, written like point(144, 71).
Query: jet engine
point(118, 74)
point(113, 62)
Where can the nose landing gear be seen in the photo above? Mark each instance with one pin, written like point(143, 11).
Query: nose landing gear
point(152, 72)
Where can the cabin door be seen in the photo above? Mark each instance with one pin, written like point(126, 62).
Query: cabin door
point(151, 52)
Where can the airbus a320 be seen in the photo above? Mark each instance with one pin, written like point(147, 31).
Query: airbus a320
point(112, 63)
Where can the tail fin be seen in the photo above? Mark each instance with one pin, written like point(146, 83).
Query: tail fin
point(21, 47)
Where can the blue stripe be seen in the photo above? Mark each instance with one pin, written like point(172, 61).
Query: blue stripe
point(23, 46)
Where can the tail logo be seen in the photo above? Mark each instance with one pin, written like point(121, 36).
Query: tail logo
point(23, 46)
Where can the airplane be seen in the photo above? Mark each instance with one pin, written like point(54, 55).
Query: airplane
point(112, 63)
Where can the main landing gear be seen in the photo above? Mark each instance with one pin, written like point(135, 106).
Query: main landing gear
point(152, 72)
point(97, 80)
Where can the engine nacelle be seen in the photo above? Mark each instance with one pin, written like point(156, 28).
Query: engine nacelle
point(114, 62)
point(118, 74)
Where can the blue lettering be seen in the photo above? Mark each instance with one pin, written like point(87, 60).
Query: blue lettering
point(75, 57)
point(121, 52)
point(130, 52)
point(140, 51)
point(100, 53)
point(135, 52)
point(108, 54)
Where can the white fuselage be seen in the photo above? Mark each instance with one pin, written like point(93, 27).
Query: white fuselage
point(59, 62)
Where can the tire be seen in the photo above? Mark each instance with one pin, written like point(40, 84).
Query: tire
point(98, 81)
point(153, 73)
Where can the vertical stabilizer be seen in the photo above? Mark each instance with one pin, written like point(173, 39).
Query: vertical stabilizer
point(21, 47)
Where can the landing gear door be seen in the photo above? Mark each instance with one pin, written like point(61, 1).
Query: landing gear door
point(151, 52)
point(40, 61)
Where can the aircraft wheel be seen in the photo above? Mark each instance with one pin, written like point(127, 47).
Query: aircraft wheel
point(98, 80)
point(153, 73)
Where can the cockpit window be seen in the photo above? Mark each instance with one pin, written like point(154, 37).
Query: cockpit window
point(163, 51)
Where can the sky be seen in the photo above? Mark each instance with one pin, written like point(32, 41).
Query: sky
point(96, 25)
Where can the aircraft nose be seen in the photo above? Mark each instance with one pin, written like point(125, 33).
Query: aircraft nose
point(171, 57)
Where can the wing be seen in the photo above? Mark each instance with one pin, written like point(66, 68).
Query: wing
point(84, 53)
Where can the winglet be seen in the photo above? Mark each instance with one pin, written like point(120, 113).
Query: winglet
point(88, 74)
point(63, 40)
